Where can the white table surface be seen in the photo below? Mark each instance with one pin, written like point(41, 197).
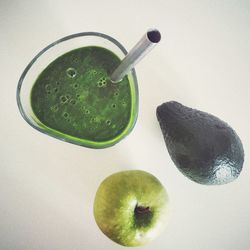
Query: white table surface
point(47, 187)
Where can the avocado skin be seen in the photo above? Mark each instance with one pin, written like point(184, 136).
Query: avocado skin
point(203, 147)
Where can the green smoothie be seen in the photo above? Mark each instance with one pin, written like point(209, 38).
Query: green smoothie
point(74, 98)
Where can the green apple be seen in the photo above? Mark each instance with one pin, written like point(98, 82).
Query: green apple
point(131, 207)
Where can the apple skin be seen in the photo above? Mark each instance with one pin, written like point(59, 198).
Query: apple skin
point(131, 207)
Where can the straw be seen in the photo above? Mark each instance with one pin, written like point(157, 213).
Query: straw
point(142, 48)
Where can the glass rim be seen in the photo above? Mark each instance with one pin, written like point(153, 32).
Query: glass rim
point(41, 52)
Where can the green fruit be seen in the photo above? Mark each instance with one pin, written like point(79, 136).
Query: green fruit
point(130, 207)
point(203, 147)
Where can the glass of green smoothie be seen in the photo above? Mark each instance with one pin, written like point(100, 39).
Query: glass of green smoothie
point(66, 92)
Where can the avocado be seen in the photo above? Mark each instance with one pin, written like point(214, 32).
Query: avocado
point(203, 147)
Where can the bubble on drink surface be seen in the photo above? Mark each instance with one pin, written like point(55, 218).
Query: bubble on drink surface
point(48, 86)
point(71, 72)
point(124, 103)
point(68, 96)
point(113, 105)
point(57, 83)
point(87, 111)
point(54, 108)
point(78, 96)
point(108, 122)
point(63, 99)
point(102, 82)
point(76, 85)
point(72, 102)
point(116, 93)
point(93, 119)
point(55, 90)
point(65, 115)
point(92, 72)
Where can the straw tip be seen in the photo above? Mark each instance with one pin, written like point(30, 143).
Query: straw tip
point(154, 35)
